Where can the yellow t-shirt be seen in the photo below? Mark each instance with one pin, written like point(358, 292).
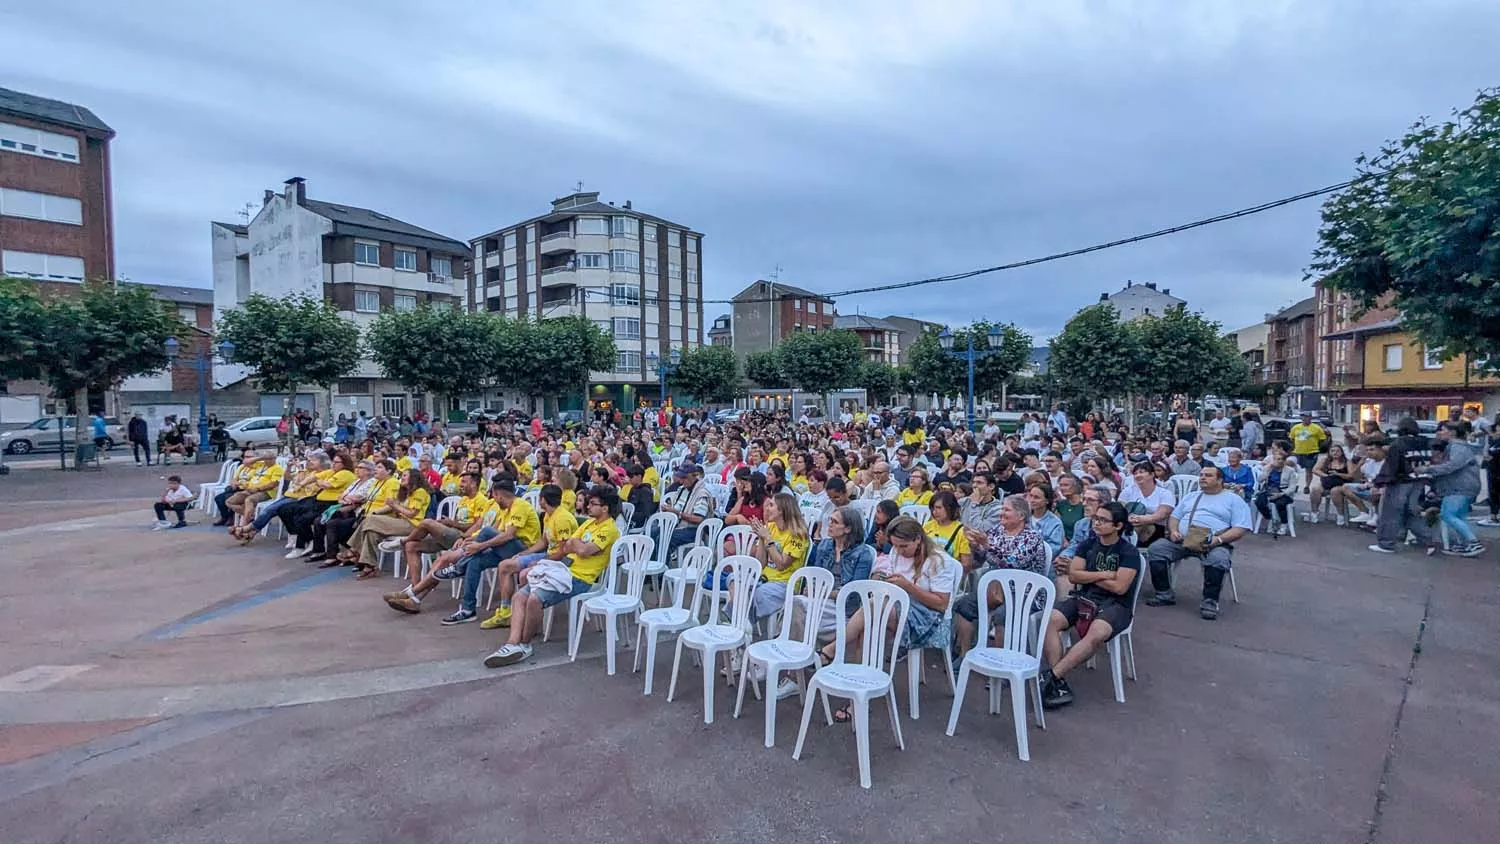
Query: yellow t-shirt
point(244, 473)
point(522, 516)
point(403, 463)
point(798, 483)
point(570, 501)
point(472, 509)
point(296, 492)
point(916, 437)
point(1306, 439)
point(941, 535)
point(561, 524)
point(339, 481)
point(450, 483)
point(794, 545)
point(909, 496)
point(598, 533)
point(417, 501)
point(267, 477)
point(385, 491)
point(651, 478)
point(779, 455)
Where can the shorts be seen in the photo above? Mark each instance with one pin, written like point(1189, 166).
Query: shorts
point(526, 561)
point(1116, 614)
point(1307, 461)
point(1364, 493)
point(548, 598)
point(1331, 484)
point(967, 608)
point(446, 538)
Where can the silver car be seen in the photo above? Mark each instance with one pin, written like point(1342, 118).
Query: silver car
point(253, 431)
point(41, 435)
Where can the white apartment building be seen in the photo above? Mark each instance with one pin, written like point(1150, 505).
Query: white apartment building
point(1138, 300)
point(638, 276)
point(363, 261)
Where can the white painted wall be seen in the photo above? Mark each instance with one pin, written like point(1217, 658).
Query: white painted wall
point(1140, 300)
point(286, 250)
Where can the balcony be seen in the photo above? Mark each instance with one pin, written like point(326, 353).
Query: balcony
point(556, 243)
point(1346, 380)
point(564, 273)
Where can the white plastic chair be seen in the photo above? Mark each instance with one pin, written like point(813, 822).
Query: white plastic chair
point(630, 554)
point(740, 540)
point(865, 506)
point(674, 619)
point(1122, 646)
point(915, 665)
point(721, 493)
point(207, 491)
point(707, 536)
point(627, 512)
point(1183, 484)
point(534, 498)
point(784, 653)
point(712, 639)
point(870, 678)
point(813, 517)
point(1018, 659)
point(920, 512)
point(659, 527)
point(603, 586)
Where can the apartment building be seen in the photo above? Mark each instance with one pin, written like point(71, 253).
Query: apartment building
point(1391, 374)
point(363, 261)
point(1291, 357)
point(879, 340)
point(767, 312)
point(637, 275)
point(911, 330)
point(1251, 342)
point(56, 224)
point(721, 333)
point(1140, 300)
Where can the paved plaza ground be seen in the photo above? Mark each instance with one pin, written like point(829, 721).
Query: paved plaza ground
point(170, 687)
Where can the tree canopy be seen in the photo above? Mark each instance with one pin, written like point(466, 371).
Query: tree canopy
point(292, 341)
point(1184, 353)
point(820, 361)
point(764, 368)
point(1096, 356)
point(1420, 229)
point(879, 380)
point(22, 344)
point(436, 350)
point(937, 371)
point(555, 356)
point(709, 374)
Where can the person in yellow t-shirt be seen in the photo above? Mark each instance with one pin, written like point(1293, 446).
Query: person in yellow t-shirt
point(260, 485)
point(393, 517)
point(330, 483)
point(587, 551)
point(918, 489)
point(452, 477)
point(946, 530)
point(1308, 438)
point(652, 478)
point(434, 536)
point(558, 525)
point(228, 501)
point(300, 489)
point(782, 549)
point(914, 434)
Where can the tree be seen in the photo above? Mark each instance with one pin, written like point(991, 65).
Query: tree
point(439, 351)
point(290, 342)
point(906, 383)
point(556, 356)
point(1182, 353)
point(1419, 229)
point(934, 370)
point(764, 368)
point(879, 381)
point(709, 374)
point(1008, 356)
point(1096, 355)
point(22, 317)
point(820, 361)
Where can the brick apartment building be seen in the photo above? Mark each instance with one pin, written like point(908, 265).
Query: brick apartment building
point(767, 312)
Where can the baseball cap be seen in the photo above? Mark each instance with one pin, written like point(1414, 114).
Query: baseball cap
point(686, 469)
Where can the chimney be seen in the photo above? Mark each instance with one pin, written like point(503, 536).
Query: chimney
point(1128, 282)
point(266, 200)
point(1167, 290)
point(296, 190)
point(627, 205)
point(1104, 297)
point(1150, 285)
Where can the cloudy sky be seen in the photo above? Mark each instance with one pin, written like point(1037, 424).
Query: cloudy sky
point(849, 143)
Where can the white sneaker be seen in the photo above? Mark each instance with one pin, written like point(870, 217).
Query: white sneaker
point(1340, 520)
point(1489, 521)
point(1282, 530)
point(291, 542)
point(1359, 519)
point(298, 552)
point(392, 544)
point(160, 526)
point(1310, 518)
point(1379, 550)
point(786, 689)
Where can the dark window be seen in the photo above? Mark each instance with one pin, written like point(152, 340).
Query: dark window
point(492, 275)
point(492, 303)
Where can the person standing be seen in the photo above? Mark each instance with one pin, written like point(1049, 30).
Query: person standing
point(140, 438)
point(1308, 439)
point(1401, 490)
point(100, 432)
point(1456, 481)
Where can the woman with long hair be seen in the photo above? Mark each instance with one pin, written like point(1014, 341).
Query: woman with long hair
point(1332, 471)
point(781, 549)
point(568, 480)
point(392, 517)
point(1039, 497)
point(946, 531)
point(334, 527)
point(748, 500)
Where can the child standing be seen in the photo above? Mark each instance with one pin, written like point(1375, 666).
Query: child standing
point(176, 499)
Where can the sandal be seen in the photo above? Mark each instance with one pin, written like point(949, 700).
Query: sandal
point(843, 715)
point(824, 660)
point(366, 573)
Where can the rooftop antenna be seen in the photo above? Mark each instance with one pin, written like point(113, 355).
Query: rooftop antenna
point(245, 211)
point(579, 188)
point(776, 273)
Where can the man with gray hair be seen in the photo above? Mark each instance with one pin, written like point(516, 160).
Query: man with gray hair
point(1181, 461)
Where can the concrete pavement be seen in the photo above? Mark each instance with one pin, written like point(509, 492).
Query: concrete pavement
point(168, 687)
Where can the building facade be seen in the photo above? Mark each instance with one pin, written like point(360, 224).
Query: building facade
point(879, 340)
point(1142, 300)
point(362, 261)
point(911, 330)
point(636, 275)
point(1251, 342)
point(56, 220)
point(767, 312)
point(1291, 356)
point(721, 333)
point(1393, 375)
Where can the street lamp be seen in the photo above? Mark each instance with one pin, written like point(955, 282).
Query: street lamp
point(202, 363)
point(969, 355)
point(654, 361)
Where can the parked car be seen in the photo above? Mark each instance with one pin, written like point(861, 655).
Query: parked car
point(1280, 427)
point(485, 413)
point(41, 435)
point(253, 431)
point(568, 418)
point(733, 414)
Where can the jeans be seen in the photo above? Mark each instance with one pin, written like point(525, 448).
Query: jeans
point(135, 450)
point(1454, 513)
point(1264, 500)
point(268, 512)
point(1165, 553)
point(475, 565)
point(680, 537)
point(179, 508)
point(1492, 470)
point(1400, 511)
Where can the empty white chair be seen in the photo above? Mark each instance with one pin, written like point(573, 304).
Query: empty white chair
point(630, 554)
point(659, 527)
point(870, 678)
point(865, 506)
point(920, 512)
point(721, 493)
point(915, 667)
point(1018, 659)
point(785, 653)
point(706, 537)
point(713, 639)
point(627, 512)
point(207, 491)
point(813, 517)
point(674, 619)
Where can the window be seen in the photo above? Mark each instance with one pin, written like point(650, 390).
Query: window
point(37, 142)
point(674, 238)
point(692, 276)
point(40, 206)
point(626, 227)
point(367, 301)
point(405, 302)
point(38, 265)
point(1432, 358)
point(510, 272)
point(624, 261)
point(593, 261)
point(649, 232)
point(692, 244)
point(366, 254)
point(627, 328)
point(692, 334)
point(442, 267)
point(593, 225)
point(491, 246)
point(625, 294)
point(492, 275)
point(406, 260)
point(650, 265)
point(188, 314)
point(628, 362)
point(1392, 357)
point(653, 330)
point(674, 270)
point(492, 304)
point(510, 240)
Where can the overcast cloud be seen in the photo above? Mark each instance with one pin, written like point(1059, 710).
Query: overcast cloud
point(850, 143)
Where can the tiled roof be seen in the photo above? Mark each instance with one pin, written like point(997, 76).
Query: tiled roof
point(860, 321)
point(779, 289)
point(234, 227)
point(53, 111)
point(351, 219)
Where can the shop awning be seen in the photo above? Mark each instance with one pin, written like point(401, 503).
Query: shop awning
point(1394, 396)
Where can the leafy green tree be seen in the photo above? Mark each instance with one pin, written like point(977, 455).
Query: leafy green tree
point(440, 351)
point(764, 368)
point(1007, 356)
point(879, 381)
point(1096, 356)
point(821, 361)
point(934, 370)
point(709, 374)
point(22, 342)
point(290, 342)
point(554, 357)
point(1420, 230)
point(906, 383)
point(1183, 354)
